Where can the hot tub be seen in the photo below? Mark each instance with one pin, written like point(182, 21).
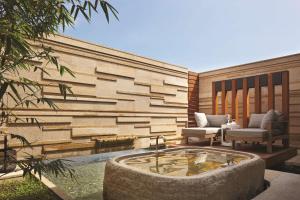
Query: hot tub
point(184, 173)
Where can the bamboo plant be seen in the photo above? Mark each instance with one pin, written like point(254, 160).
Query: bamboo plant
point(23, 23)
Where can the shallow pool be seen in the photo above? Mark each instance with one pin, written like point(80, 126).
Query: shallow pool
point(183, 162)
point(89, 175)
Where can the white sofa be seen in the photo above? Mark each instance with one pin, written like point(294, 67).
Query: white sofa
point(208, 126)
point(266, 127)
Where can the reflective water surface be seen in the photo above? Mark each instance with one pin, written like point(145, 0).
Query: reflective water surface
point(184, 162)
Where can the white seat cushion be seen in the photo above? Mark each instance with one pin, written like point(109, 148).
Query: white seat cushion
point(196, 132)
point(248, 132)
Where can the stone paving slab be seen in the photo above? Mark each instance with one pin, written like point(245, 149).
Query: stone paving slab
point(294, 161)
point(283, 186)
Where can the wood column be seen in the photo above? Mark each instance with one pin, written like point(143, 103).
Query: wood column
point(285, 102)
point(271, 99)
point(224, 99)
point(245, 103)
point(234, 101)
point(214, 99)
point(285, 94)
point(257, 95)
point(193, 97)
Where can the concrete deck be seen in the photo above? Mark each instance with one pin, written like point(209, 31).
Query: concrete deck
point(294, 161)
point(283, 186)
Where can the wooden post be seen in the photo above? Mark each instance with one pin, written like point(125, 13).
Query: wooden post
point(234, 101)
point(245, 103)
point(214, 99)
point(224, 99)
point(257, 95)
point(285, 102)
point(271, 99)
point(285, 94)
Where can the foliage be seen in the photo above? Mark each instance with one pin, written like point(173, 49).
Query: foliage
point(26, 189)
point(24, 24)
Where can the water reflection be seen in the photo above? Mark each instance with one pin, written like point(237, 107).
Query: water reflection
point(183, 162)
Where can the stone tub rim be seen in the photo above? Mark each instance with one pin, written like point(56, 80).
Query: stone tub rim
point(252, 157)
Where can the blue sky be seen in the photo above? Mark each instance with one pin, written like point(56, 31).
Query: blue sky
point(199, 34)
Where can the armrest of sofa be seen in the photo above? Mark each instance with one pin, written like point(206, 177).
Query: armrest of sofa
point(278, 128)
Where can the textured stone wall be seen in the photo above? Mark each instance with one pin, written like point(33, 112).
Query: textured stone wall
point(115, 93)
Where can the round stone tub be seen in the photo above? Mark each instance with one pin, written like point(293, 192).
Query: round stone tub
point(186, 173)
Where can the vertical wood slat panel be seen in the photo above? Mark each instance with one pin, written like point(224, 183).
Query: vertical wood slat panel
point(271, 98)
point(224, 100)
point(214, 99)
point(257, 95)
point(234, 100)
point(285, 93)
point(193, 97)
point(285, 100)
point(245, 103)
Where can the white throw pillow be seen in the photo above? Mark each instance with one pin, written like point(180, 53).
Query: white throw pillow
point(201, 119)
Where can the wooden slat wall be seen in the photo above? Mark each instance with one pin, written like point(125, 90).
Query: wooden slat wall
point(245, 103)
point(290, 68)
point(115, 93)
point(257, 95)
point(193, 97)
point(281, 78)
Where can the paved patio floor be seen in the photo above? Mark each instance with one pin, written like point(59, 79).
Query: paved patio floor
point(283, 186)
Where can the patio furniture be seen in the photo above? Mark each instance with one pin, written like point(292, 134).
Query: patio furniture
point(224, 127)
point(208, 127)
point(267, 128)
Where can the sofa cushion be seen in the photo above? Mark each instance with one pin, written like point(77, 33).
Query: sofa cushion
point(201, 119)
point(269, 118)
point(248, 133)
point(216, 120)
point(196, 132)
point(255, 120)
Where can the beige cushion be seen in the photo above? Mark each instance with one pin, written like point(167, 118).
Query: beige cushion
point(269, 118)
point(201, 119)
point(248, 132)
point(255, 120)
point(198, 132)
point(216, 120)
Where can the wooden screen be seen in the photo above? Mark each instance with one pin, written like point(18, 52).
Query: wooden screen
point(193, 97)
point(257, 82)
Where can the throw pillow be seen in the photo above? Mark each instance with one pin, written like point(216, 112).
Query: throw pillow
point(201, 119)
point(269, 118)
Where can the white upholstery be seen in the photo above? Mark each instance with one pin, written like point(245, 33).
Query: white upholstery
point(255, 120)
point(216, 120)
point(196, 132)
point(201, 119)
point(248, 132)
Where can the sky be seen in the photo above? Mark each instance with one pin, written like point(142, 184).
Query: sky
point(201, 35)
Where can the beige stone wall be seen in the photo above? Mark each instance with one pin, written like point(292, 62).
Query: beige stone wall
point(115, 93)
point(290, 63)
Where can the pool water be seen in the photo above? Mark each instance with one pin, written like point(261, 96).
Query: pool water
point(89, 176)
point(184, 162)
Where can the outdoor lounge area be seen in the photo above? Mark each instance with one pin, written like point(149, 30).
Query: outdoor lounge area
point(140, 110)
point(83, 121)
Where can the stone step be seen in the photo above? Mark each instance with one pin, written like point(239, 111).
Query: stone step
point(294, 161)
